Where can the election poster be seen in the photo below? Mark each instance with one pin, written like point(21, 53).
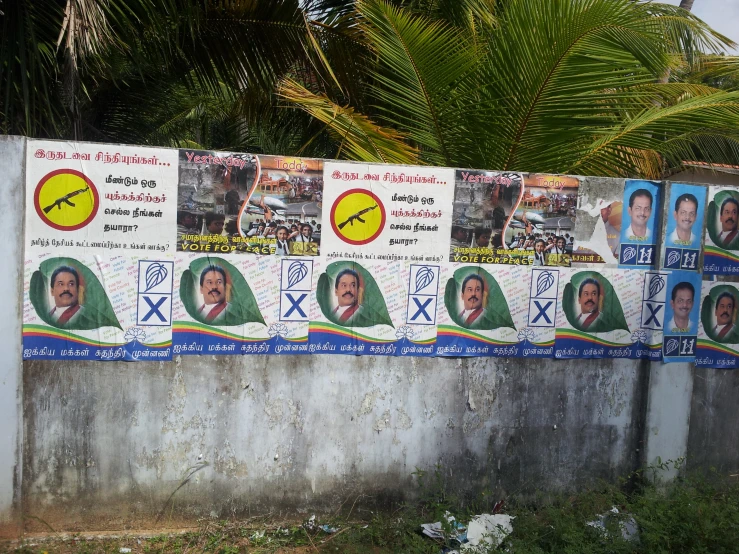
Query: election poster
point(241, 305)
point(681, 316)
point(598, 222)
point(513, 218)
point(390, 213)
point(487, 314)
point(601, 316)
point(684, 230)
point(138, 253)
point(639, 221)
point(722, 237)
point(93, 198)
point(361, 308)
point(84, 307)
point(718, 334)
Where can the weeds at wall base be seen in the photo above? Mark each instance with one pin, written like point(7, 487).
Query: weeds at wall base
point(696, 513)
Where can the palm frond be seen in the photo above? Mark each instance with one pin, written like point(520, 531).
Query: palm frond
point(358, 138)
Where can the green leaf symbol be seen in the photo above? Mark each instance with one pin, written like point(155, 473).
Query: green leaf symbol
point(611, 313)
point(96, 310)
point(496, 313)
point(242, 306)
point(372, 308)
point(713, 219)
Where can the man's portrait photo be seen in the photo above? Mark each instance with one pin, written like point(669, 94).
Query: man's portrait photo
point(349, 296)
point(684, 228)
point(682, 299)
point(347, 290)
point(718, 314)
point(722, 218)
point(66, 294)
point(213, 289)
point(591, 304)
point(639, 214)
point(65, 291)
point(588, 300)
point(728, 217)
point(474, 300)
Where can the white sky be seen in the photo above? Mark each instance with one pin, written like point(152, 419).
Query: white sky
point(722, 15)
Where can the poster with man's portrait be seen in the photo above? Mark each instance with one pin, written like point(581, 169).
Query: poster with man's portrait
point(718, 333)
point(681, 316)
point(639, 220)
point(722, 232)
point(684, 229)
point(600, 316)
point(87, 308)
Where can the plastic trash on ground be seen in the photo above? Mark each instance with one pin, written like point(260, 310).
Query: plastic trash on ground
point(487, 530)
point(629, 528)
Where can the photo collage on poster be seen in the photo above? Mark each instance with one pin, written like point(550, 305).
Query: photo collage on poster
point(139, 253)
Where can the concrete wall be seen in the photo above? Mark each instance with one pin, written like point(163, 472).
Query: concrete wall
point(12, 151)
point(124, 446)
point(107, 443)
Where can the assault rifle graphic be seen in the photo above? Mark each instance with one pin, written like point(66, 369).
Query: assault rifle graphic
point(356, 217)
point(64, 200)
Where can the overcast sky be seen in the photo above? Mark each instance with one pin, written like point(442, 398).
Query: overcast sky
point(722, 15)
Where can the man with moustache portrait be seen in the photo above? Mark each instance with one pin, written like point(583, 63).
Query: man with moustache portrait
point(64, 285)
point(686, 211)
point(729, 217)
point(683, 296)
point(213, 289)
point(473, 294)
point(346, 289)
point(640, 209)
point(588, 298)
point(724, 312)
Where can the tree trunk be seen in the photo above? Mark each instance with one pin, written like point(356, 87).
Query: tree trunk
point(686, 4)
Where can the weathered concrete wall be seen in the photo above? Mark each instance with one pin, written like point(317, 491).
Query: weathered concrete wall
point(107, 443)
point(12, 151)
point(713, 441)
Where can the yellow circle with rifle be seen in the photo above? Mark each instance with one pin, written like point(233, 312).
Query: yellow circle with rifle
point(357, 216)
point(66, 200)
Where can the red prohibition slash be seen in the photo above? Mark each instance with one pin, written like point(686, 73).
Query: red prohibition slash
point(379, 203)
point(42, 182)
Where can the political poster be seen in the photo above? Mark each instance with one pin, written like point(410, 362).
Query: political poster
point(601, 316)
point(84, 307)
point(684, 229)
point(722, 236)
point(639, 221)
point(241, 305)
point(512, 218)
point(361, 308)
point(718, 334)
point(487, 314)
point(389, 213)
point(598, 222)
point(681, 316)
point(93, 198)
point(246, 204)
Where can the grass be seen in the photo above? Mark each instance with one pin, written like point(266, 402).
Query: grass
point(695, 515)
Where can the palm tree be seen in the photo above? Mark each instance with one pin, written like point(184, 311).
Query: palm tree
point(569, 86)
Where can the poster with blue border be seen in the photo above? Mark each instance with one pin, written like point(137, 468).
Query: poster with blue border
point(640, 219)
point(722, 232)
point(601, 316)
point(241, 305)
point(718, 332)
point(493, 314)
point(88, 308)
point(684, 229)
point(681, 316)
